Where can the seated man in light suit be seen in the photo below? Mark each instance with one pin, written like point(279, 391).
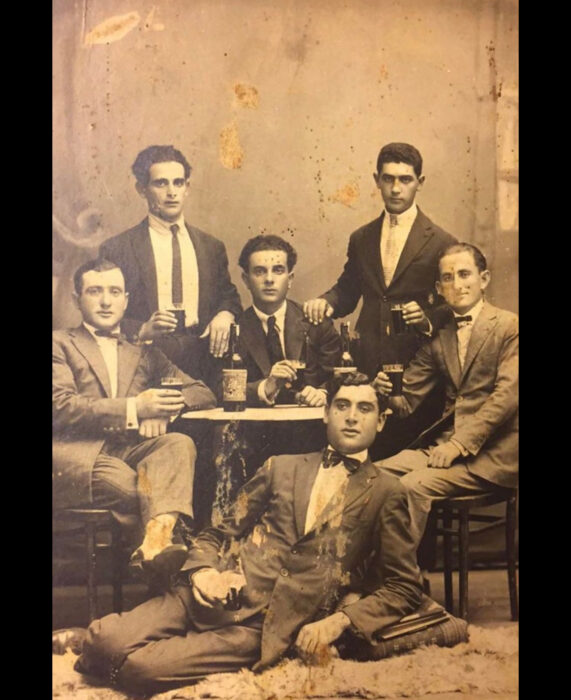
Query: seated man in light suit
point(284, 572)
point(168, 263)
point(473, 447)
point(111, 448)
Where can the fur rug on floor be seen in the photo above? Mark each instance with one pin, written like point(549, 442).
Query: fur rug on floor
point(488, 663)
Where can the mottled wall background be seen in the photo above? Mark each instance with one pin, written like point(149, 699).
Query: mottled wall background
point(281, 106)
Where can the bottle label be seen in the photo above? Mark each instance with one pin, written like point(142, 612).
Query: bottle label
point(234, 384)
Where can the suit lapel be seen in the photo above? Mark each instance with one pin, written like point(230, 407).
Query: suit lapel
point(372, 252)
point(305, 473)
point(251, 328)
point(128, 357)
point(482, 327)
point(294, 331)
point(449, 343)
point(420, 234)
point(143, 252)
point(203, 266)
point(87, 346)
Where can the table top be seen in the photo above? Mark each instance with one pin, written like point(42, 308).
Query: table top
point(282, 412)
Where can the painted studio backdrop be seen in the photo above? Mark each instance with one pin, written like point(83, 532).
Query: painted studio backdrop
point(281, 107)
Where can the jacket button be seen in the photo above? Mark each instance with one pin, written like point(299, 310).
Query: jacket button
point(385, 298)
point(284, 572)
point(294, 551)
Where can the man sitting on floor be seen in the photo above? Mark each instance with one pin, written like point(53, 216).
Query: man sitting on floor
point(285, 571)
point(472, 448)
point(111, 448)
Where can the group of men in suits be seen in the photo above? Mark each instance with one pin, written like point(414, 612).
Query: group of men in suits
point(310, 528)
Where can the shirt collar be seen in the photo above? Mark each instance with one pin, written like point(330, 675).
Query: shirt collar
point(279, 314)
point(362, 456)
point(91, 329)
point(164, 227)
point(474, 311)
point(406, 217)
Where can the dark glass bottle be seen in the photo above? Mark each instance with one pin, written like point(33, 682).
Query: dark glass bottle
point(346, 357)
point(234, 375)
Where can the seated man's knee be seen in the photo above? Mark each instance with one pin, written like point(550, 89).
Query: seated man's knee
point(104, 645)
point(180, 442)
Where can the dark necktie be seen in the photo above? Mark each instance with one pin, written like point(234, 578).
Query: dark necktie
point(107, 334)
point(273, 342)
point(462, 320)
point(332, 458)
point(176, 267)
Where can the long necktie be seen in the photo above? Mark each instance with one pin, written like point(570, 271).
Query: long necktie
point(389, 265)
point(275, 351)
point(176, 267)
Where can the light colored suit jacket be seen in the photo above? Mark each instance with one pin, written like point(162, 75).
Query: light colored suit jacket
point(481, 398)
point(84, 414)
point(298, 577)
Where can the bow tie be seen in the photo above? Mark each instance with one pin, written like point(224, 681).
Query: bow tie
point(107, 334)
point(331, 458)
point(462, 320)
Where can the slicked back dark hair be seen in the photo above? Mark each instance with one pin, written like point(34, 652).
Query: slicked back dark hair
point(270, 242)
point(99, 265)
point(479, 257)
point(400, 153)
point(352, 379)
point(157, 154)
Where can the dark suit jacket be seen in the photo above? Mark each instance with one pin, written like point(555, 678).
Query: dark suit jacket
point(324, 349)
point(300, 577)
point(84, 415)
point(482, 398)
point(133, 252)
point(413, 280)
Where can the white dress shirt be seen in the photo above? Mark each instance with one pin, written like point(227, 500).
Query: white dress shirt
point(394, 233)
point(330, 484)
point(465, 331)
point(161, 241)
point(280, 328)
point(109, 351)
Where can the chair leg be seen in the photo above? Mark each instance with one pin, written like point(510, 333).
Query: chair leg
point(463, 563)
point(116, 565)
point(511, 555)
point(447, 550)
point(91, 561)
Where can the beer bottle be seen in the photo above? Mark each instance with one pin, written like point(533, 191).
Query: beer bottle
point(234, 375)
point(346, 357)
point(301, 364)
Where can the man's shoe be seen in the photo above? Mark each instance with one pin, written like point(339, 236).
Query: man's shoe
point(169, 560)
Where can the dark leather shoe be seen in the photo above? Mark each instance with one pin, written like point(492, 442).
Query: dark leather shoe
point(169, 560)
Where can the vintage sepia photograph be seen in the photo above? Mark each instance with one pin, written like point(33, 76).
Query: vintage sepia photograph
point(285, 349)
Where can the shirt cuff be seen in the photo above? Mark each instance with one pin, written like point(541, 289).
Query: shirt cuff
point(428, 333)
point(463, 451)
point(132, 420)
point(262, 394)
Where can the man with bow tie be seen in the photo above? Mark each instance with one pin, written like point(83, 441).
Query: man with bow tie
point(111, 448)
point(473, 447)
point(391, 260)
point(316, 545)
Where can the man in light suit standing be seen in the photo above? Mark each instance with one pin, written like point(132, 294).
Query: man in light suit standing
point(169, 264)
point(111, 448)
point(316, 544)
point(391, 260)
point(473, 447)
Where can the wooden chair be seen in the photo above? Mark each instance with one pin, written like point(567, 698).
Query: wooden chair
point(90, 521)
point(457, 510)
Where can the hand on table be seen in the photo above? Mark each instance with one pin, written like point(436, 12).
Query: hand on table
point(316, 310)
point(161, 323)
point(311, 396)
point(219, 331)
point(442, 456)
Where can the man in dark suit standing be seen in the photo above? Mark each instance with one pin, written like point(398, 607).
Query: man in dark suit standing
point(391, 260)
point(473, 447)
point(169, 264)
point(111, 448)
point(320, 546)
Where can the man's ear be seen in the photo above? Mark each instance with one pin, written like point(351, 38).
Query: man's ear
point(246, 280)
point(484, 279)
point(421, 180)
point(383, 415)
point(289, 280)
point(126, 299)
point(75, 297)
point(141, 189)
point(438, 286)
point(377, 179)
